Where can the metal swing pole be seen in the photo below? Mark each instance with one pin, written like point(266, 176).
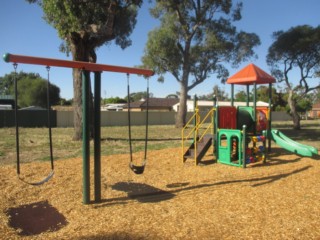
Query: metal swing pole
point(97, 137)
point(86, 68)
point(85, 137)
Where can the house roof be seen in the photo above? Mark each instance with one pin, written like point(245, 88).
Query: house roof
point(316, 106)
point(249, 75)
point(33, 108)
point(154, 103)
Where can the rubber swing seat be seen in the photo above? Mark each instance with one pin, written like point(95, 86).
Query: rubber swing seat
point(137, 169)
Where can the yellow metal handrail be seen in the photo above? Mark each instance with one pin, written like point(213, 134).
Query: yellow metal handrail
point(195, 130)
point(210, 126)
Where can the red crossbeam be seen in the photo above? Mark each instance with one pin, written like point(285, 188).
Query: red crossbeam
point(92, 67)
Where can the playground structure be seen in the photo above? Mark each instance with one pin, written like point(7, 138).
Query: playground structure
point(239, 135)
point(86, 68)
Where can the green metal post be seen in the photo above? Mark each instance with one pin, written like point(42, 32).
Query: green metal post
point(214, 127)
point(195, 121)
point(269, 117)
point(255, 108)
point(195, 107)
point(85, 137)
point(232, 94)
point(244, 146)
point(248, 96)
point(97, 137)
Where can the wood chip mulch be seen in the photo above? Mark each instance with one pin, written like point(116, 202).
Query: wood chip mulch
point(170, 200)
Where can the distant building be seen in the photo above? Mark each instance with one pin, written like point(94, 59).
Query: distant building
point(33, 108)
point(154, 104)
point(5, 107)
point(7, 102)
point(113, 107)
point(207, 105)
point(315, 111)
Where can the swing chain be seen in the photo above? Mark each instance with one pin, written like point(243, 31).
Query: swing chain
point(15, 65)
point(49, 118)
point(134, 168)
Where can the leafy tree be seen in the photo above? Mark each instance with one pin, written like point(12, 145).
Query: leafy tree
point(32, 89)
point(175, 96)
point(193, 40)
point(85, 26)
point(218, 92)
point(280, 101)
point(263, 95)
point(304, 105)
point(114, 100)
point(298, 48)
point(7, 81)
point(241, 96)
point(65, 102)
point(315, 96)
point(303, 101)
point(138, 96)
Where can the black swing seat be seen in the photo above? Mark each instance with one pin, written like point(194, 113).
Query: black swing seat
point(137, 169)
point(46, 179)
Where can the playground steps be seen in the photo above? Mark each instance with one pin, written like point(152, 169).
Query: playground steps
point(202, 147)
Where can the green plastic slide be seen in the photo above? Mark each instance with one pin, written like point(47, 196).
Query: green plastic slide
point(287, 143)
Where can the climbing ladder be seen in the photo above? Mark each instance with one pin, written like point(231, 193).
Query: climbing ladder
point(202, 134)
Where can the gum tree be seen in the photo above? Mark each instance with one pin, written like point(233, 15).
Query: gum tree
point(196, 39)
point(85, 26)
point(296, 49)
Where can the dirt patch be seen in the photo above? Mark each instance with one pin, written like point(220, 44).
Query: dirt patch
point(172, 200)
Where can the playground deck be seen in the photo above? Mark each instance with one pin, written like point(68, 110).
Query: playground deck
point(171, 200)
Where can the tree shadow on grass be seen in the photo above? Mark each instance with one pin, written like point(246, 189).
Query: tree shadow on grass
point(35, 218)
point(146, 193)
point(311, 135)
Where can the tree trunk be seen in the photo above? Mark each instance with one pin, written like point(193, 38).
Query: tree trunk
point(77, 104)
point(182, 111)
point(80, 52)
point(294, 114)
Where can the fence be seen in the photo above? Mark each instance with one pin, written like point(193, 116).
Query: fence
point(65, 118)
point(28, 118)
point(38, 118)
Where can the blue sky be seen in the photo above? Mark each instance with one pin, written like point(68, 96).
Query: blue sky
point(24, 32)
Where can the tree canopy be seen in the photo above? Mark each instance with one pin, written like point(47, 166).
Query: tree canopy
point(85, 26)
point(217, 92)
point(32, 89)
point(195, 40)
point(296, 49)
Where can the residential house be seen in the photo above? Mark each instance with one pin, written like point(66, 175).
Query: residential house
point(154, 104)
point(315, 111)
point(7, 102)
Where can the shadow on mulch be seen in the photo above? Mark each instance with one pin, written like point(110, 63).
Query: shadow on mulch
point(35, 218)
point(146, 193)
point(142, 192)
point(116, 236)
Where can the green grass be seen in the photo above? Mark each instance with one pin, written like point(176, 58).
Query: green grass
point(309, 133)
point(34, 144)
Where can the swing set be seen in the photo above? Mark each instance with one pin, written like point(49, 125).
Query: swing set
point(86, 68)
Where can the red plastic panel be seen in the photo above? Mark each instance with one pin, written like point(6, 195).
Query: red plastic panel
point(227, 117)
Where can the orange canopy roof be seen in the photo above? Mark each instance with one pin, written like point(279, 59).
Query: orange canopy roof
point(249, 75)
